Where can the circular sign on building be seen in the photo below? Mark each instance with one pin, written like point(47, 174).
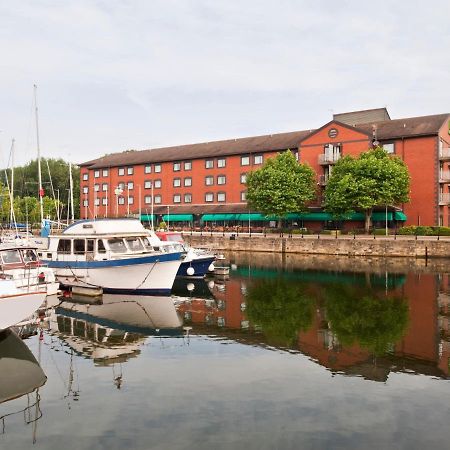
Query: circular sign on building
point(333, 132)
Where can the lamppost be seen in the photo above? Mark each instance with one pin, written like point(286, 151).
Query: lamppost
point(168, 217)
point(117, 191)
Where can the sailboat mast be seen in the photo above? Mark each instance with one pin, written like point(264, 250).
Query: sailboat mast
point(41, 190)
point(71, 191)
point(11, 189)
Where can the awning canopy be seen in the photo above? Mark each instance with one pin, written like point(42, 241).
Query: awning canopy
point(178, 217)
point(381, 216)
point(219, 217)
point(147, 217)
point(400, 215)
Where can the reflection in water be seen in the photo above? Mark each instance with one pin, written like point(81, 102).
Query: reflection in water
point(20, 375)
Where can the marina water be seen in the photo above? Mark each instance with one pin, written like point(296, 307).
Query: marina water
point(284, 353)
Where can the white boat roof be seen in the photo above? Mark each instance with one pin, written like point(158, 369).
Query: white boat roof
point(113, 227)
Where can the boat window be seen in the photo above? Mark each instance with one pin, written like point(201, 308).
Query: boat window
point(29, 255)
point(101, 246)
point(117, 245)
point(174, 237)
point(147, 244)
point(79, 246)
point(90, 245)
point(64, 246)
point(11, 256)
point(135, 244)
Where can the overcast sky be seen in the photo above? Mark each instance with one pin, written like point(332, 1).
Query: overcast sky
point(116, 75)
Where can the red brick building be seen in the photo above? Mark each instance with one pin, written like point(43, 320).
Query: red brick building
point(201, 183)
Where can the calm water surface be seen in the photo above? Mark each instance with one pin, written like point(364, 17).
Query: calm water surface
point(285, 353)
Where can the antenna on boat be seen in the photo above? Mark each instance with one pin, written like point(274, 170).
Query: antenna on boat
point(41, 190)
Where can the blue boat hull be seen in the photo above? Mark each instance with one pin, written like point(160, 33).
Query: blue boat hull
point(200, 266)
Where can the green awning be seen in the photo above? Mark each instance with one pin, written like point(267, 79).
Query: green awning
point(147, 217)
point(178, 217)
point(400, 215)
point(218, 217)
point(380, 216)
point(254, 217)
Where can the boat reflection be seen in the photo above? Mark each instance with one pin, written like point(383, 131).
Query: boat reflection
point(20, 376)
point(365, 324)
point(112, 329)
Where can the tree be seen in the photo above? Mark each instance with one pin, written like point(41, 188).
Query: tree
point(281, 186)
point(373, 179)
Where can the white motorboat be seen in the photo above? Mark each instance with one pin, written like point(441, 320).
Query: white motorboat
point(21, 264)
point(111, 254)
point(16, 304)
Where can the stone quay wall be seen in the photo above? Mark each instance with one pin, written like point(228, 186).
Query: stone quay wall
point(383, 247)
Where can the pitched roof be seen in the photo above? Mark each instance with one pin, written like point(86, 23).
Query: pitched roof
point(255, 144)
point(386, 130)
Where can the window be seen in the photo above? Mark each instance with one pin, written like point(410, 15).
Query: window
point(188, 181)
point(221, 179)
point(209, 163)
point(130, 200)
point(101, 246)
point(11, 256)
point(209, 197)
point(97, 202)
point(148, 199)
point(104, 201)
point(176, 182)
point(188, 165)
point(157, 184)
point(221, 197)
point(157, 168)
point(105, 187)
point(148, 168)
point(176, 166)
point(243, 178)
point(243, 196)
point(121, 201)
point(121, 171)
point(64, 246)
point(79, 246)
point(258, 159)
point(85, 176)
point(221, 162)
point(85, 203)
point(117, 245)
point(389, 147)
point(147, 184)
point(130, 185)
point(105, 172)
point(85, 189)
point(187, 198)
point(245, 160)
point(209, 181)
point(158, 199)
point(96, 187)
point(130, 170)
point(177, 198)
point(96, 173)
point(121, 186)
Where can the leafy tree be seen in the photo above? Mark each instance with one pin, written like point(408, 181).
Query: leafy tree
point(281, 308)
point(375, 178)
point(281, 186)
point(374, 322)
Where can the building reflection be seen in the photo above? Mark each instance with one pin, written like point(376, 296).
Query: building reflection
point(366, 323)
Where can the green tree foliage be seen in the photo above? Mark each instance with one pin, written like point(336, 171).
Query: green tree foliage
point(374, 322)
point(281, 308)
point(281, 186)
point(373, 179)
point(26, 182)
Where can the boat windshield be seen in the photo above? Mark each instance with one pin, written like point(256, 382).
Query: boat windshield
point(29, 255)
point(10, 256)
point(174, 237)
point(117, 245)
point(147, 244)
point(135, 244)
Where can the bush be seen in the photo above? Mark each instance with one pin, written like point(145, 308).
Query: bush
point(380, 231)
point(441, 231)
point(412, 230)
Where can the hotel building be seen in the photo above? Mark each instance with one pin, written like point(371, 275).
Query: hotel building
point(205, 183)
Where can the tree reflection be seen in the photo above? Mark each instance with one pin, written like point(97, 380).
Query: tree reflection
point(281, 308)
point(356, 315)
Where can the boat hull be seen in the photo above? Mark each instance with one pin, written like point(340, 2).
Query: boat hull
point(146, 275)
point(199, 265)
point(16, 307)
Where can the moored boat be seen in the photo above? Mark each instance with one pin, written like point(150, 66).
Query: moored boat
point(111, 254)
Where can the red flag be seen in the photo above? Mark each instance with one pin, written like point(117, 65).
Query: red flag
point(41, 192)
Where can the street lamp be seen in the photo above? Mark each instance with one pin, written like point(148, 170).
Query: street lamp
point(117, 191)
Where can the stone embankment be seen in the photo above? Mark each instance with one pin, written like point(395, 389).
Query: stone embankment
point(313, 245)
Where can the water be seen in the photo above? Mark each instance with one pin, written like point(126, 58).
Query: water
point(286, 353)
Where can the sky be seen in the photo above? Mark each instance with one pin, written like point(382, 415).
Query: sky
point(131, 74)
